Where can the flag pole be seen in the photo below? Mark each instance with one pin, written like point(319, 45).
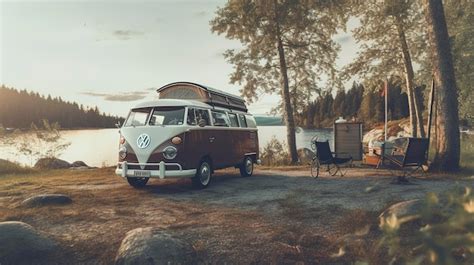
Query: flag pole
point(386, 107)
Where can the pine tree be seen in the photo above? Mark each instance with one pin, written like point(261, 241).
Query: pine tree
point(447, 121)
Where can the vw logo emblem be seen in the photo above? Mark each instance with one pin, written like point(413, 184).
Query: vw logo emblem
point(143, 140)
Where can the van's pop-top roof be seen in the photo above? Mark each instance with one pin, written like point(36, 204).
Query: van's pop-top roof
point(193, 91)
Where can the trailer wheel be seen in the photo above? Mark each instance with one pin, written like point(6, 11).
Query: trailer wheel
point(202, 179)
point(246, 169)
point(137, 182)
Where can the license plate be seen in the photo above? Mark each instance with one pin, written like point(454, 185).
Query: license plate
point(141, 173)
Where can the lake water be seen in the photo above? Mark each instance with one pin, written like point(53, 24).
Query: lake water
point(99, 147)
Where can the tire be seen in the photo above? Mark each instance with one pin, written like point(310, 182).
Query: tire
point(315, 168)
point(203, 176)
point(137, 182)
point(246, 169)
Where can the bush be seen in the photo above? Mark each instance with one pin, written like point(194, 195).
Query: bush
point(7, 167)
point(445, 234)
point(275, 154)
point(43, 141)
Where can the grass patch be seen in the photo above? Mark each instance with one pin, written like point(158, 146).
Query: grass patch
point(467, 153)
point(7, 167)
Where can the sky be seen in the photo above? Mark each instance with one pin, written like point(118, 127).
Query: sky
point(114, 54)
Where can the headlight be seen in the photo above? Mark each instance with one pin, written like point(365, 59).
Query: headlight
point(176, 140)
point(170, 152)
point(122, 152)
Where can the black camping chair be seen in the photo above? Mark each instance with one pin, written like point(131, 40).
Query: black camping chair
point(327, 160)
point(411, 159)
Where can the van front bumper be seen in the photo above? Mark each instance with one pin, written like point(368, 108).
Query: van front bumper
point(123, 170)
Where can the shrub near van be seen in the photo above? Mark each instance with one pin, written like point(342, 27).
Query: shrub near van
point(189, 132)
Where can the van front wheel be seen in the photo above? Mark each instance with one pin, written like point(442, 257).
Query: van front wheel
point(246, 169)
point(137, 182)
point(202, 179)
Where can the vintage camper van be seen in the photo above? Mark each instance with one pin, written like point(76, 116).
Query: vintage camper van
point(189, 132)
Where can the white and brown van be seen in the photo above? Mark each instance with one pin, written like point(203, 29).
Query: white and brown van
point(189, 132)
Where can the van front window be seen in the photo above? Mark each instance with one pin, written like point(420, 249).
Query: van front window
point(137, 117)
point(167, 116)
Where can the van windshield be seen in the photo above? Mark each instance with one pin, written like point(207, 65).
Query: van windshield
point(137, 117)
point(167, 116)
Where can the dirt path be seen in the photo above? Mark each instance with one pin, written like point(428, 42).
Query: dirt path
point(272, 217)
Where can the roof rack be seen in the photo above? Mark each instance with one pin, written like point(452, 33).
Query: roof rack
point(209, 95)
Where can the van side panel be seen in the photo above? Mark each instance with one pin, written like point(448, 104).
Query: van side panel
point(227, 148)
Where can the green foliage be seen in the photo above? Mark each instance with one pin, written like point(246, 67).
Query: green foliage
point(446, 235)
point(18, 109)
point(38, 142)
point(467, 153)
point(460, 20)
point(275, 154)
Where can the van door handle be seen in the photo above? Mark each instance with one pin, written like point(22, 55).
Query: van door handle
point(211, 139)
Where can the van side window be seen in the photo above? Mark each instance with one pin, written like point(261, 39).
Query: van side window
point(251, 121)
point(234, 122)
point(220, 119)
point(203, 114)
point(191, 120)
point(243, 121)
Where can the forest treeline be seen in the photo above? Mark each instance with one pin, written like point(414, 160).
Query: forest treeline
point(358, 103)
point(20, 108)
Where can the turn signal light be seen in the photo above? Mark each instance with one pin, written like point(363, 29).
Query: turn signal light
point(176, 140)
point(122, 140)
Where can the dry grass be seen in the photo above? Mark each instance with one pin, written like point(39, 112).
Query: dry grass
point(8, 168)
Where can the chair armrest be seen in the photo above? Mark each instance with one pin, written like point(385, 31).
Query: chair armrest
point(393, 160)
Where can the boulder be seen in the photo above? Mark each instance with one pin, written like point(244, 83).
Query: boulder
point(20, 243)
point(51, 163)
point(46, 199)
point(79, 164)
point(154, 246)
point(373, 135)
point(403, 209)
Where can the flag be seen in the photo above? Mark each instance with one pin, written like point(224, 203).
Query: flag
point(384, 89)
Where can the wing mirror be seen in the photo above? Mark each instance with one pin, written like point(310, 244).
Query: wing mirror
point(118, 125)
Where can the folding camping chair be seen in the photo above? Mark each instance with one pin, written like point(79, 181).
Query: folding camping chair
point(327, 160)
point(411, 159)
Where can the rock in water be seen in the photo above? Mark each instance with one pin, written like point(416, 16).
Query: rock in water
point(154, 246)
point(20, 243)
point(51, 163)
point(46, 199)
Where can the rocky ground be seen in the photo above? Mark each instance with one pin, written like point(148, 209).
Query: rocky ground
point(276, 216)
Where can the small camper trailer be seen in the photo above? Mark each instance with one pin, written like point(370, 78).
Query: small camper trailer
point(189, 132)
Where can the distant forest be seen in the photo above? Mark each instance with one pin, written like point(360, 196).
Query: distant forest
point(365, 105)
point(19, 109)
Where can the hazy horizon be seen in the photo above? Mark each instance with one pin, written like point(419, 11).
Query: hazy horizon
point(112, 55)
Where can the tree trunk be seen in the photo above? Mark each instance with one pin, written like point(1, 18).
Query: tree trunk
point(447, 121)
point(416, 117)
point(285, 86)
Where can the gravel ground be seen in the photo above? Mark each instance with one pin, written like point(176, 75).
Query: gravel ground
point(275, 216)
